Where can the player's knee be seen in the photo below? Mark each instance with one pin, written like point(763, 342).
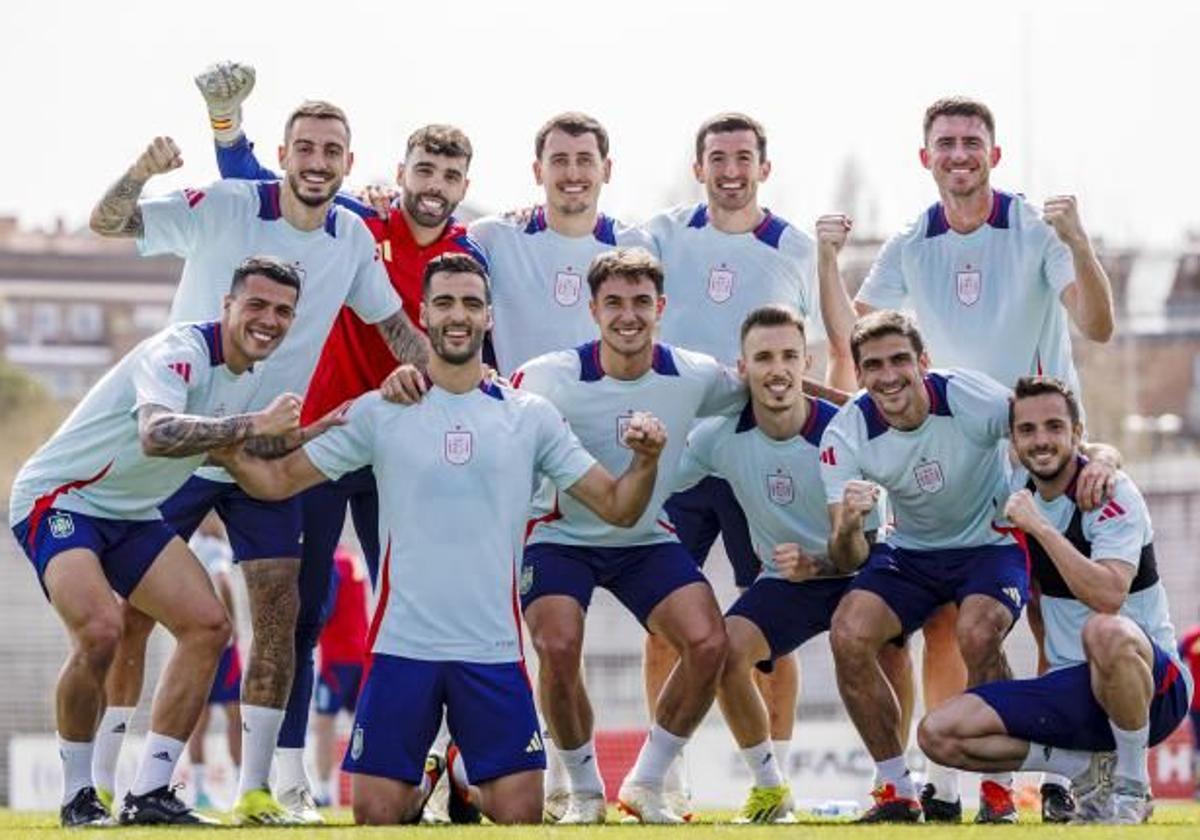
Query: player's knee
point(1107, 639)
point(559, 653)
point(979, 643)
point(935, 738)
point(98, 638)
point(523, 810)
point(849, 639)
point(707, 650)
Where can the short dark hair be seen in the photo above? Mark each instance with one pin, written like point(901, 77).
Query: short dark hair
point(880, 323)
point(1036, 386)
point(438, 139)
point(630, 263)
point(731, 121)
point(317, 109)
point(959, 106)
point(455, 263)
point(574, 123)
point(772, 315)
point(272, 268)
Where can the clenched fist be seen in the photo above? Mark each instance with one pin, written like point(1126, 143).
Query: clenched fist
point(278, 418)
point(794, 563)
point(646, 435)
point(1061, 212)
point(833, 229)
point(162, 155)
point(1022, 511)
point(859, 498)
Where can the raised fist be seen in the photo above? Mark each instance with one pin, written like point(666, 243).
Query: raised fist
point(832, 231)
point(646, 435)
point(162, 155)
point(278, 418)
point(224, 86)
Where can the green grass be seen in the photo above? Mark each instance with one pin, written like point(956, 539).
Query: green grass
point(1170, 820)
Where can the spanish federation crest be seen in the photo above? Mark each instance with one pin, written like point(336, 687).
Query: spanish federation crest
point(720, 284)
point(780, 489)
point(968, 285)
point(567, 285)
point(459, 447)
point(356, 743)
point(526, 579)
point(929, 476)
point(61, 525)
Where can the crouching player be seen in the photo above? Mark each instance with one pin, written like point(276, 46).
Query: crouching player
point(1115, 684)
point(85, 510)
point(455, 476)
point(770, 454)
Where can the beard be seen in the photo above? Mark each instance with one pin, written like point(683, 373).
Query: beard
point(437, 340)
point(1052, 472)
point(412, 205)
point(310, 200)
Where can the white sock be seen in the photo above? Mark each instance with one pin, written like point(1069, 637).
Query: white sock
point(159, 757)
point(289, 769)
point(77, 766)
point(764, 767)
point(260, 731)
point(783, 754)
point(1056, 779)
point(556, 771)
point(581, 768)
point(1133, 745)
point(198, 778)
point(324, 789)
point(109, 737)
point(1005, 780)
point(1069, 763)
point(895, 771)
point(657, 753)
point(944, 781)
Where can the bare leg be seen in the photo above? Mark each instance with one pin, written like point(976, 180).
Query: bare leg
point(380, 801)
point(556, 628)
point(743, 707)
point(690, 620)
point(943, 671)
point(512, 799)
point(233, 732)
point(966, 733)
point(861, 626)
point(325, 732)
point(982, 624)
point(274, 602)
point(780, 690)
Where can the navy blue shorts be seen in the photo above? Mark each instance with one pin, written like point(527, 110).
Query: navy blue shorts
point(1194, 714)
point(257, 529)
point(337, 688)
point(227, 685)
point(789, 614)
point(915, 583)
point(1058, 709)
point(126, 548)
point(640, 576)
point(489, 712)
point(702, 512)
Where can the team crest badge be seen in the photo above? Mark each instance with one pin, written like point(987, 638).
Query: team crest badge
point(459, 447)
point(622, 427)
point(720, 284)
point(968, 283)
point(780, 489)
point(356, 743)
point(929, 476)
point(526, 579)
point(567, 285)
point(61, 525)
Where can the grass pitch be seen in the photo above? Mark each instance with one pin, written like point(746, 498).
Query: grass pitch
point(1171, 820)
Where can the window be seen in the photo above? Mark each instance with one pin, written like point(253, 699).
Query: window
point(86, 322)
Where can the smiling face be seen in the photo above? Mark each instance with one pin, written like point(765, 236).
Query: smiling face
point(433, 186)
point(572, 171)
point(627, 308)
point(316, 158)
point(258, 316)
point(1043, 434)
point(960, 154)
point(893, 373)
point(731, 168)
point(456, 314)
point(773, 363)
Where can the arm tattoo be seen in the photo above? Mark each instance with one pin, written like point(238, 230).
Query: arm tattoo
point(118, 213)
point(268, 448)
point(409, 345)
point(166, 434)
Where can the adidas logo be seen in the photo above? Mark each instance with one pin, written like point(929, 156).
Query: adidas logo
point(1013, 594)
point(828, 456)
point(119, 729)
point(163, 756)
point(535, 743)
point(1112, 510)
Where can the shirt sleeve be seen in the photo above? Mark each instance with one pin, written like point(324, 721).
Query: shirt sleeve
point(372, 296)
point(1058, 266)
point(696, 462)
point(725, 393)
point(839, 456)
point(351, 446)
point(802, 252)
point(539, 376)
point(176, 223)
point(885, 287)
point(560, 456)
point(1119, 529)
point(655, 230)
point(980, 403)
point(167, 371)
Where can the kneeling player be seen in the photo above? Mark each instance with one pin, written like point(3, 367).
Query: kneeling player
point(455, 476)
point(1115, 682)
point(769, 454)
point(85, 510)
